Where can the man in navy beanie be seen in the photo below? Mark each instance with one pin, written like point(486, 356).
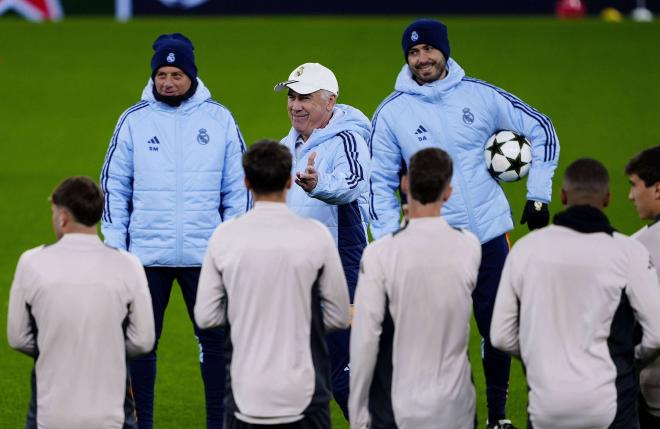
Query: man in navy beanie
point(172, 173)
point(436, 105)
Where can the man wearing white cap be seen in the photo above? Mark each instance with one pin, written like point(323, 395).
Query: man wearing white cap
point(332, 168)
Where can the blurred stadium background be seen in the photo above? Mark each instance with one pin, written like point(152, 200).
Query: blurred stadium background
point(66, 83)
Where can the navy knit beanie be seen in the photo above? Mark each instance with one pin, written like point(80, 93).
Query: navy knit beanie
point(174, 50)
point(426, 31)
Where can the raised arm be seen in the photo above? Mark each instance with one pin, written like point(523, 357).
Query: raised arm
point(350, 176)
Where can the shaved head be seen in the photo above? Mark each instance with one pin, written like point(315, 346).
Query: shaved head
point(586, 182)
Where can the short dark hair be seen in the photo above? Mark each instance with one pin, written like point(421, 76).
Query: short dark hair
point(646, 165)
point(429, 174)
point(587, 177)
point(82, 197)
point(267, 166)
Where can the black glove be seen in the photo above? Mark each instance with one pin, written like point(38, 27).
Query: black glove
point(535, 214)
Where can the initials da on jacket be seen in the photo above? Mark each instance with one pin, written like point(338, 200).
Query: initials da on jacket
point(457, 114)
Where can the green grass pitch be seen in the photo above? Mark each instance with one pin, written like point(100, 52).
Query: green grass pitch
point(66, 84)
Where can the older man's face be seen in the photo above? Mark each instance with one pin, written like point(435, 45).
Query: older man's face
point(171, 81)
point(308, 112)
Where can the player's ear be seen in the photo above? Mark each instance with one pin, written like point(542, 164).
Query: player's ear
point(65, 217)
point(447, 193)
point(404, 184)
point(288, 183)
point(247, 183)
point(332, 101)
point(608, 199)
point(656, 193)
point(563, 196)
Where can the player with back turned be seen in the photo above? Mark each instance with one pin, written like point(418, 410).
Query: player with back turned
point(410, 367)
point(79, 308)
point(436, 105)
point(275, 280)
point(567, 305)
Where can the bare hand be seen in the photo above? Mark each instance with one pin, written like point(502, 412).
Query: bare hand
point(309, 178)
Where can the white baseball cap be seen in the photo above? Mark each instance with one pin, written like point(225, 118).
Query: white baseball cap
point(310, 77)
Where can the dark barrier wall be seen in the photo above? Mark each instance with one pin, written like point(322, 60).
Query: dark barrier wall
point(409, 7)
point(347, 6)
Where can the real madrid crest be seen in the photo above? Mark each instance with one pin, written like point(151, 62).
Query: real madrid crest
point(468, 117)
point(414, 36)
point(170, 57)
point(299, 72)
point(202, 137)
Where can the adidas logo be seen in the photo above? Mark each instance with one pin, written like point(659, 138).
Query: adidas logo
point(420, 130)
point(419, 133)
point(152, 142)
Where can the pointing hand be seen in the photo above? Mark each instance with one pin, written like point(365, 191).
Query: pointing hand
point(309, 178)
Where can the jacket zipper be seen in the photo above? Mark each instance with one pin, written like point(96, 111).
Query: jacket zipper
point(179, 191)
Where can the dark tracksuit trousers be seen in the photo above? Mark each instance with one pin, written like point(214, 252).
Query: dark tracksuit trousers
point(211, 343)
point(351, 241)
point(496, 364)
point(646, 419)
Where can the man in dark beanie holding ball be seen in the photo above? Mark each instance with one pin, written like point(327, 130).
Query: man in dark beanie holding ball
point(436, 105)
point(172, 174)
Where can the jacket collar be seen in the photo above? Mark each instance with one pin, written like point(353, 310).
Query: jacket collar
point(433, 91)
point(585, 219)
point(200, 96)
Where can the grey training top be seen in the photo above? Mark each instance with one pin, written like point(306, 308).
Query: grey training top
point(649, 378)
point(409, 361)
point(275, 280)
point(567, 304)
point(80, 307)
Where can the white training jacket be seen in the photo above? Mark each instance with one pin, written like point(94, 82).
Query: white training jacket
point(409, 361)
point(275, 281)
point(79, 307)
point(649, 378)
point(567, 304)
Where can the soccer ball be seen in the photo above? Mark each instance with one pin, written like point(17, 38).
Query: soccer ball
point(508, 155)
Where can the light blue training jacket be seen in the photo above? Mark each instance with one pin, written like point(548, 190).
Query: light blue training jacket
point(340, 199)
point(171, 175)
point(457, 114)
